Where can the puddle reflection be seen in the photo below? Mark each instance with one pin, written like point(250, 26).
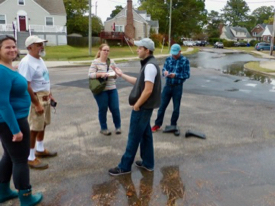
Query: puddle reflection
point(105, 193)
point(171, 184)
point(121, 190)
point(229, 64)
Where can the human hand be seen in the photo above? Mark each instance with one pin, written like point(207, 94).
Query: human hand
point(17, 137)
point(166, 73)
point(171, 75)
point(135, 108)
point(117, 71)
point(39, 109)
point(104, 75)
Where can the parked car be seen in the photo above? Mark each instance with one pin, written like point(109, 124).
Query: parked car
point(218, 45)
point(200, 43)
point(239, 44)
point(263, 46)
point(188, 43)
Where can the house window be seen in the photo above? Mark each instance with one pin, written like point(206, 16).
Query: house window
point(2, 19)
point(119, 28)
point(254, 33)
point(49, 21)
point(21, 2)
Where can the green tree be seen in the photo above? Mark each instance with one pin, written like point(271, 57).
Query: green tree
point(188, 16)
point(116, 11)
point(235, 12)
point(269, 21)
point(263, 13)
point(77, 22)
point(97, 26)
point(214, 20)
point(77, 19)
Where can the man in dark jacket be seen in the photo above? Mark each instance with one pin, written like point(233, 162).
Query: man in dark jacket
point(144, 97)
point(176, 69)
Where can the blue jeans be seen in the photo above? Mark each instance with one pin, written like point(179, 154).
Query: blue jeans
point(139, 134)
point(108, 99)
point(168, 92)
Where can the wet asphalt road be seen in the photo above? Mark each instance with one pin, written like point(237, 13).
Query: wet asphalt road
point(234, 166)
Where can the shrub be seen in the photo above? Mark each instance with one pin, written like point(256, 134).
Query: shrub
point(228, 43)
point(157, 39)
point(253, 42)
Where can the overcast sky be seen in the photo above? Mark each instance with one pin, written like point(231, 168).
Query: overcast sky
point(103, 8)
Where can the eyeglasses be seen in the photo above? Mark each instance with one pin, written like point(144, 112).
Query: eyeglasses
point(39, 44)
point(105, 50)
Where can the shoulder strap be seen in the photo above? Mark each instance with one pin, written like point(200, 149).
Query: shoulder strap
point(108, 61)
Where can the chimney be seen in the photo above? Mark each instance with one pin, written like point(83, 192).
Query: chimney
point(129, 28)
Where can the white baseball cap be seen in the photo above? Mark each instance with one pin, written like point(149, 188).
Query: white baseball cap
point(146, 42)
point(33, 39)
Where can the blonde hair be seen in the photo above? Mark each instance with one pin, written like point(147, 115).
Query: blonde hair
point(100, 48)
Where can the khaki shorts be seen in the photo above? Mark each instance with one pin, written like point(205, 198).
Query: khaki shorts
point(38, 121)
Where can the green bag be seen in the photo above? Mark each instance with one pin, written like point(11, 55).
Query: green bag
point(98, 85)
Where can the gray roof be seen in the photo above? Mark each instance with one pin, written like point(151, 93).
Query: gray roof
point(228, 33)
point(54, 7)
point(270, 28)
point(242, 29)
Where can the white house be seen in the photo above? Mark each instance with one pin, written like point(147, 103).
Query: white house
point(129, 24)
point(44, 18)
point(235, 34)
point(267, 34)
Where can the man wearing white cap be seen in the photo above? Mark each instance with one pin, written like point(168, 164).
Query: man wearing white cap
point(144, 97)
point(176, 69)
point(33, 68)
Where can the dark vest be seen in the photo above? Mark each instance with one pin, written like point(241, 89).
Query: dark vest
point(154, 100)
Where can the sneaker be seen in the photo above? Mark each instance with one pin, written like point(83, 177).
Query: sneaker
point(45, 153)
point(117, 171)
point(118, 131)
point(37, 164)
point(105, 132)
point(140, 165)
point(155, 128)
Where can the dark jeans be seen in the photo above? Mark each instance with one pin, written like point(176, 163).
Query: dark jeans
point(139, 134)
point(15, 158)
point(168, 92)
point(108, 99)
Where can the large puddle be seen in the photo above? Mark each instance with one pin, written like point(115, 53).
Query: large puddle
point(229, 64)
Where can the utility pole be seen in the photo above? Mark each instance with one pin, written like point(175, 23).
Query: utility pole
point(272, 38)
point(96, 8)
point(90, 28)
point(170, 22)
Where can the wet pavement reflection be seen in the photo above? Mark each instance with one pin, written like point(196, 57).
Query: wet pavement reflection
point(115, 191)
point(232, 64)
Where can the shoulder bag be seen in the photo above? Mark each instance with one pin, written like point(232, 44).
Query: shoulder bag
point(98, 85)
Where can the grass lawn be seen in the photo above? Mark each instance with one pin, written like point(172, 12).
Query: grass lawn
point(256, 67)
point(246, 49)
point(64, 53)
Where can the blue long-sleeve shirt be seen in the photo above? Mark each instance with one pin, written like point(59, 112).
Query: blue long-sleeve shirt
point(180, 67)
point(14, 98)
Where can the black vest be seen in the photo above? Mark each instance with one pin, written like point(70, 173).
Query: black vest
point(154, 100)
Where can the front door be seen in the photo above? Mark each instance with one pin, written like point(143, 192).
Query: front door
point(22, 23)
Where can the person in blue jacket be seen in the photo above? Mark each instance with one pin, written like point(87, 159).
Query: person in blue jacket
point(14, 128)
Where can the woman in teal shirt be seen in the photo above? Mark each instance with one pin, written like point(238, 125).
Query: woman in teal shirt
point(14, 128)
